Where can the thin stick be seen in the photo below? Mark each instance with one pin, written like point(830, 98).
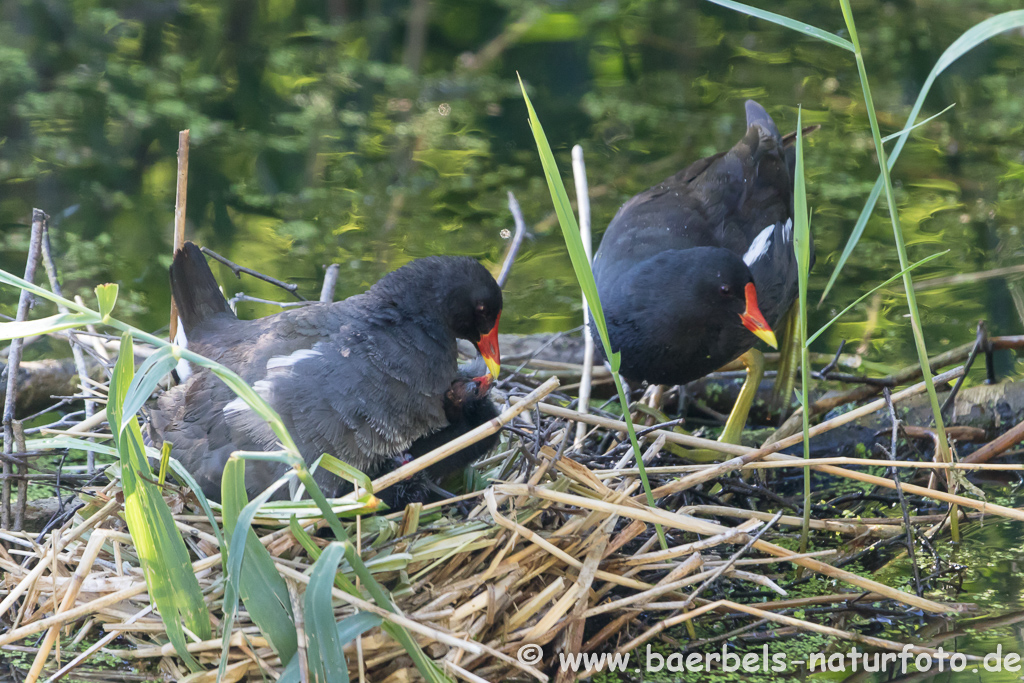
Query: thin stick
point(25, 300)
point(899, 491)
point(456, 445)
point(180, 201)
point(76, 348)
point(292, 288)
point(330, 283)
point(517, 240)
point(997, 446)
point(579, 172)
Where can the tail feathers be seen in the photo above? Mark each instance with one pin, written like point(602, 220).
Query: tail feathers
point(756, 115)
point(195, 290)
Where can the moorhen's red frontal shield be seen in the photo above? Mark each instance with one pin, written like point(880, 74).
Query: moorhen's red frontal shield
point(754, 321)
point(488, 348)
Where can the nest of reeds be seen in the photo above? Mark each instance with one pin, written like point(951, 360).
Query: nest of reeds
point(559, 554)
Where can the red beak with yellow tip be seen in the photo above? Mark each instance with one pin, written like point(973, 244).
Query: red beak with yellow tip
point(754, 321)
point(488, 348)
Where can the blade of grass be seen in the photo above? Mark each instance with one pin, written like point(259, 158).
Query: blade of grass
point(172, 585)
point(802, 247)
point(971, 38)
point(872, 291)
point(325, 655)
point(800, 26)
point(262, 590)
point(893, 136)
point(585, 277)
point(901, 250)
point(348, 629)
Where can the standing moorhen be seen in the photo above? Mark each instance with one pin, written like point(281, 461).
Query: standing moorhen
point(691, 272)
point(361, 379)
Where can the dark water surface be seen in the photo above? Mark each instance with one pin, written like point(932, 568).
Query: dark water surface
point(339, 131)
point(313, 143)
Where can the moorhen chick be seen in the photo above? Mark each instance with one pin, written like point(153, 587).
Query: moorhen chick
point(693, 271)
point(466, 406)
point(361, 379)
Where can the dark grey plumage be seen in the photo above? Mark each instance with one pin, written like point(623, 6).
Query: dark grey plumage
point(360, 379)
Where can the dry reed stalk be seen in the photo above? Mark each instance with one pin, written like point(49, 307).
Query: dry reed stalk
point(997, 446)
point(95, 647)
point(574, 632)
point(654, 592)
point(782, 619)
point(981, 505)
point(180, 202)
point(731, 536)
point(851, 528)
point(694, 525)
point(839, 460)
point(411, 625)
point(29, 580)
point(751, 455)
point(467, 439)
point(92, 551)
point(579, 172)
point(92, 606)
point(237, 639)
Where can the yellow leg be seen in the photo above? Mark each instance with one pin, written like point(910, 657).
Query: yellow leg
point(753, 360)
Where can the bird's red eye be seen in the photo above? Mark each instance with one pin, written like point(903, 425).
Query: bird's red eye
point(725, 290)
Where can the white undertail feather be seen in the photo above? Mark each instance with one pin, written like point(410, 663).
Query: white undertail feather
point(183, 367)
point(787, 231)
point(759, 247)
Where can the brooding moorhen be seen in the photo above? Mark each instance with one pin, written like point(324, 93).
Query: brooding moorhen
point(361, 379)
point(691, 272)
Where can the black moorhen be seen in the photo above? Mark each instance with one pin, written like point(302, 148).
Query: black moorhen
point(691, 272)
point(361, 379)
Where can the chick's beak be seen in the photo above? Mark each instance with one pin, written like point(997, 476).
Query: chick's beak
point(488, 348)
point(754, 321)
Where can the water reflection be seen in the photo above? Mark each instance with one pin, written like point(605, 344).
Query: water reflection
point(316, 140)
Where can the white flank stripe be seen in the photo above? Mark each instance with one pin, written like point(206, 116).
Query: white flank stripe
point(759, 247)
point(235, 406)
point(787, 231)
point(291, 359)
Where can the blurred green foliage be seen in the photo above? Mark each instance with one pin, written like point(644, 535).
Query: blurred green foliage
point(353, 132)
